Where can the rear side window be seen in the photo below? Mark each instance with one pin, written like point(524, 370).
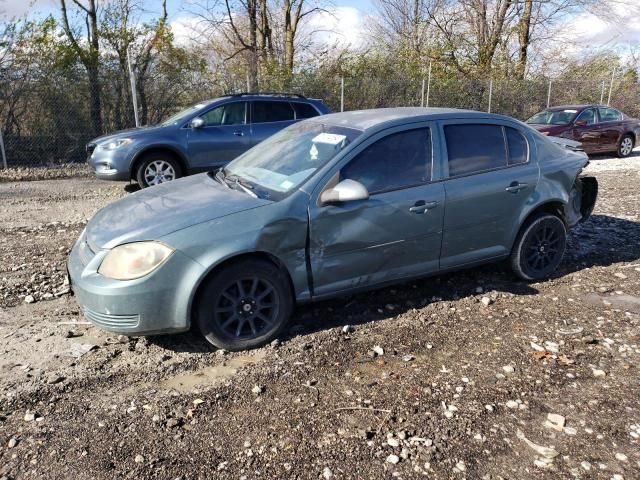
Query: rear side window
point(399, 160)
point(271, 112)
point(475, 148)
point(517, 145)
point(609, 115)
point(304, 110)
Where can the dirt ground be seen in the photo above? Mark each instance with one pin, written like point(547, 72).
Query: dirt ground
point(449, 377)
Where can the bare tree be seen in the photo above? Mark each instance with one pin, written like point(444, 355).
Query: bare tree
point(88, 55)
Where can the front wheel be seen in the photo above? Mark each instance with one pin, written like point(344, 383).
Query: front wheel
point(539, 247)
point(244, 305)
point(157, 168)
point(625, 147)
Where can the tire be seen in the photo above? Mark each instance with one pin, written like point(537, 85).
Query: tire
point(625, 147)
point(539, 247)
point(244, 305)
point(157, 168)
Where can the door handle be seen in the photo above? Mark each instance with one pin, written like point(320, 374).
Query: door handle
point(515, 187)
point(239, 133)
point(423, 207)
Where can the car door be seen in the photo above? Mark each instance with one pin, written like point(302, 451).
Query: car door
point(610, 128)
point(491, 176)
point(586, 130)
point(396, 232)
point(269, 117)
point(224, 135)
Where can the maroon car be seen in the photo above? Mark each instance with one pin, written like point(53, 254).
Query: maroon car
point(597, 127)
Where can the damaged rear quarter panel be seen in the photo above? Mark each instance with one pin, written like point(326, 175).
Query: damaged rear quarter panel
point(558, 172)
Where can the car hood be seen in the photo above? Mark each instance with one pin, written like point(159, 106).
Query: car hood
point(163, 209)
point(552, 130)
point(127, 133)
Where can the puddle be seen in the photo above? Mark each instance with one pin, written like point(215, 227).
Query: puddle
point(210, 376)
point(622, 302)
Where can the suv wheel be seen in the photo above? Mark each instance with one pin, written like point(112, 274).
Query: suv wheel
point(539, 247)
point(157, 168)
point(244, 305)
point(626, 146)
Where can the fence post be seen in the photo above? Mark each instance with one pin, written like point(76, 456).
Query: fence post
point(549, 94)
point(602, 93)
point(613, 74)
point(134, 95)
point(490, 94)
point(429, 84)
point(4, 156)
point(342, 94)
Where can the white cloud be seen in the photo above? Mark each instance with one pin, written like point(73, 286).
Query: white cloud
point(184, 28)
point(344, 26)
point(18, 8)
point(620, 27)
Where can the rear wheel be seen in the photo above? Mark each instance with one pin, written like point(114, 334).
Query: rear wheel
point(157, 168)
point(244, 305)
point(626, 146)
point(539, 247)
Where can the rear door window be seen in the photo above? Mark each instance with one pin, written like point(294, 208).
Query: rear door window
point(304, 110)
point(609, 115)
point(399, 160)
point(264, 111)
point(474, 148)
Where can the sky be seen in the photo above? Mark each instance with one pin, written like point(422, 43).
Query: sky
point(347, 23)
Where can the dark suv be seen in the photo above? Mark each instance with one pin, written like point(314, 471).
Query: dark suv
point(202, 137)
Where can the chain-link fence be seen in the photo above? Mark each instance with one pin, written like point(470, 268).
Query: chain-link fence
point(52, 127)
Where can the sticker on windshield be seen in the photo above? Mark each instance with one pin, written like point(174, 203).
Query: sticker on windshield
point(330, 138)
point(571, 111)
point(313, 152)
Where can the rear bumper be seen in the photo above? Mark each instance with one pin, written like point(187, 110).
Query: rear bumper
point(154, 304)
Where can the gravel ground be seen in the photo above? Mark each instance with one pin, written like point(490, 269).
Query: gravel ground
point(466, 375)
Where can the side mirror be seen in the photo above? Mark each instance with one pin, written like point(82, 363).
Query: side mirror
point(580, 123)
point(345, 191)
point(196, 123)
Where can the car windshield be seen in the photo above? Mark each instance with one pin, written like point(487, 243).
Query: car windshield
point(285, 160)
point(183, 114)
point(553, 117)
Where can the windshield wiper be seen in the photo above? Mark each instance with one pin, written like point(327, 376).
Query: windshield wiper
point(241, 183)
point(219, 175)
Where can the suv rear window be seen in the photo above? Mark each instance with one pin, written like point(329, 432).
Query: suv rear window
point(271, 112)
point(475, 148)
point(304, 110)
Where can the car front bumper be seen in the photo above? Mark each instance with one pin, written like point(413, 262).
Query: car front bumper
point(154, 304)
point(111, 164)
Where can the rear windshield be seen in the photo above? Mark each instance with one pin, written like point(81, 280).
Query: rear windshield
point(554, 117)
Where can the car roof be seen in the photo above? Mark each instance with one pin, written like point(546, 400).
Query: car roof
point(368, 119)
point(574, 107)
point(262, 96)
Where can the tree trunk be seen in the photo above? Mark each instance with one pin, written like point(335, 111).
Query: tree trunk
point(524, 34)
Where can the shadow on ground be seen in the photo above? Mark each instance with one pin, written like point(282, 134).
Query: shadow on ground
point(601, 241)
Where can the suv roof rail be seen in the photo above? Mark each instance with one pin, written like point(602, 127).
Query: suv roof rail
point(273, 94)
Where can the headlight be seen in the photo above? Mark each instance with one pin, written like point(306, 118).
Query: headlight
point(134, 260)
point(113, 144)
